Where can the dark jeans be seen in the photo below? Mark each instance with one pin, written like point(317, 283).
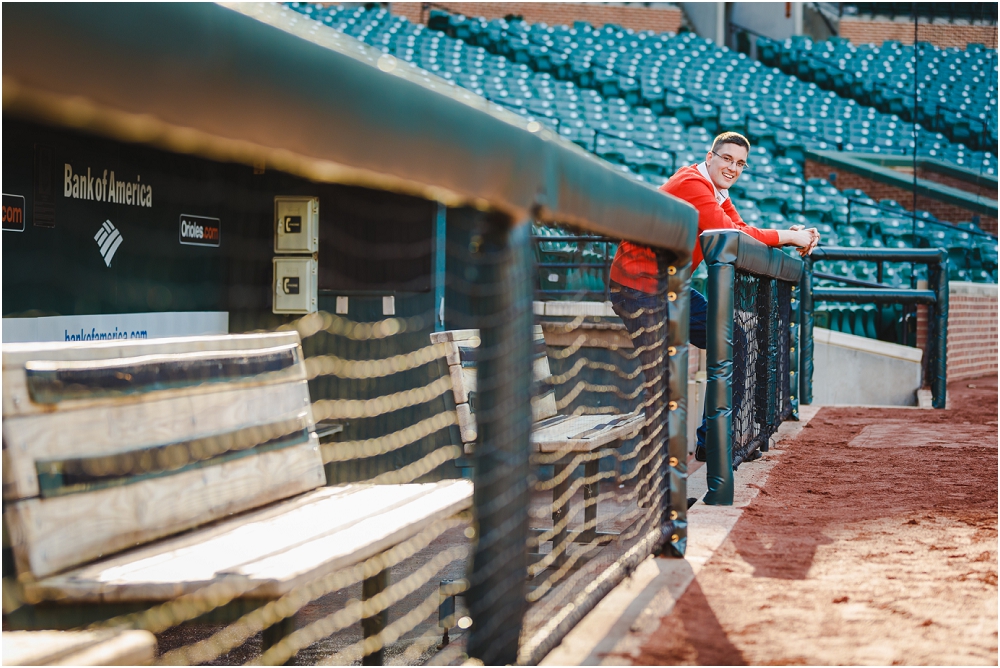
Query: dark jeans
point(698, 335)
point(645, 318)
point(626, 301)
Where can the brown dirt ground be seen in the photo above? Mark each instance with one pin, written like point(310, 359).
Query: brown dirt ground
point(874, 542)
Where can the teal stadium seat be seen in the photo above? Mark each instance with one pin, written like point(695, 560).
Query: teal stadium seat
point(663, 89)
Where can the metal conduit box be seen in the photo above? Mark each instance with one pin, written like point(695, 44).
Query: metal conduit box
point(295, 285)
point(296, 224)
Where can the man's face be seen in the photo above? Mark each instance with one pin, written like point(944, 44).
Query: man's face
point(723, 172)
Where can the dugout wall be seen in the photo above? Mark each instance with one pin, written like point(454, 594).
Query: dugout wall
point(210, 113)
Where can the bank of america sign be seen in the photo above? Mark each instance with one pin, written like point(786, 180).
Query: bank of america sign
point(108, 239)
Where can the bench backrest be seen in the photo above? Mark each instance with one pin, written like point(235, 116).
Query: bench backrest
point(109, 445)
point(462, 360)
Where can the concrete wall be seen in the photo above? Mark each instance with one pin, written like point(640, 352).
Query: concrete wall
point(707, 19)
point(777, 20)
point(855, 370)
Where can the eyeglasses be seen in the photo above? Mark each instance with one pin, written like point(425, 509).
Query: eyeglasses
point(739, 164)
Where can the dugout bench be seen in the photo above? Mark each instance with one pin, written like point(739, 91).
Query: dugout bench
point(551, 434)
point(139, 472)
point(78, 648)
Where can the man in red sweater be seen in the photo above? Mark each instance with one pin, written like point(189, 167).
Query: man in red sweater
point(638, 276)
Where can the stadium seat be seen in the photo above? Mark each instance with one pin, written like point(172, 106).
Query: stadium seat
point(671, 91)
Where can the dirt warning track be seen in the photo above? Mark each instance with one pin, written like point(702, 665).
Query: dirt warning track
point(874, 541)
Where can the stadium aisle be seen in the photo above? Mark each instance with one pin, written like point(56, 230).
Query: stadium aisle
point(874, 541)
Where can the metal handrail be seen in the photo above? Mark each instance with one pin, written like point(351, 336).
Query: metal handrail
point(936, 298)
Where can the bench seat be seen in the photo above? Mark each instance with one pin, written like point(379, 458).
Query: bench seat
point(550, 432)
point(137, 472)
point(78, 648)
point(583, 433)
point(268, 551)
point(567, 438)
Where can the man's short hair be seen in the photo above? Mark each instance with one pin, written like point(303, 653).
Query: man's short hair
point(730, 138)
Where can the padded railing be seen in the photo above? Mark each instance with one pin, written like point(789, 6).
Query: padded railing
point(751, 353)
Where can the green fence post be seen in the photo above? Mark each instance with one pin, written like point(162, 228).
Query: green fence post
point(806, 333)
point(500, 279)
point(938, 275)
point(719, 392)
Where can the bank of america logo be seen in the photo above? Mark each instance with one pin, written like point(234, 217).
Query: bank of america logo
point(108, 239)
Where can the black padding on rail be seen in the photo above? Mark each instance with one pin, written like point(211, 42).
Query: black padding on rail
point(749, 255)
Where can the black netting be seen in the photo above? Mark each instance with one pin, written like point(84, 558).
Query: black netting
point(597, 510)
point(436, 362)
point(762, 393)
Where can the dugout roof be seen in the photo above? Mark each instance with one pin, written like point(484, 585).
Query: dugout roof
point(259, 83)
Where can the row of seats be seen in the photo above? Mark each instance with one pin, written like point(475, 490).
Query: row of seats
point(886, 323)
point(704, 84)
point(580, 266)
point(642, 143)
point(957, 87)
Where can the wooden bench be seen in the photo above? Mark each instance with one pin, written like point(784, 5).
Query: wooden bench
point(553, 434)
point(137, 472)
point(78, 648)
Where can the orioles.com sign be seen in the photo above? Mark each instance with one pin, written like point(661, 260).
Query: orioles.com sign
point(13, 213)
point(200, 230)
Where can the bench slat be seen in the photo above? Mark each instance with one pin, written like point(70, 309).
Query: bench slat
point(78, 648)
point(76, 475)
point(126, 426)
point(49, 535)
point(17, 396)
point(273, 549)
point(585, 433)
point(55, 381)
point(16, 355)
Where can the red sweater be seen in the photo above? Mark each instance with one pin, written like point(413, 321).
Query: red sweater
point(634, 265)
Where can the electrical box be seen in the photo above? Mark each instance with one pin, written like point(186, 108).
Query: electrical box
point(294, 285)
point(296, 224)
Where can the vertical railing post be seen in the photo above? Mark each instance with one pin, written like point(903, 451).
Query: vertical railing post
point(764, 406)
point(719, 392)
point(806, 333)
point(440, 264)
point(938, 275)
point(793, 351)
point(674, 505)
point(500, 278)
point(374, 625)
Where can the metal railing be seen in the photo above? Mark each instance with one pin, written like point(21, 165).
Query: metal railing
point(752, 331)
point(935, 297)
